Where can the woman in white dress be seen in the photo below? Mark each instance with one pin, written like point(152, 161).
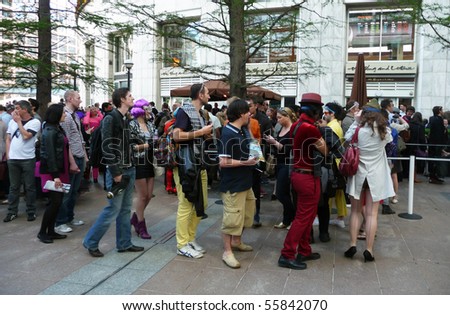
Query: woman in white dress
point(372, 182)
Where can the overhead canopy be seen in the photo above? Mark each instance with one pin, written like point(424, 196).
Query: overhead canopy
point(220, 91)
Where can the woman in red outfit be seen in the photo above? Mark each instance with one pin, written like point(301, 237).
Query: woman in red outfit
point(308, 142)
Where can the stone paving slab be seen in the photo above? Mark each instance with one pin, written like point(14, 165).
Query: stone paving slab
point(412, 256)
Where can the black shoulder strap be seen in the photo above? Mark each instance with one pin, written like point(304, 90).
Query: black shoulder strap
point(295, 129)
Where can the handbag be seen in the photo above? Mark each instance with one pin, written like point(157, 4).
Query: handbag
point(350, 160)
point(271, 163)
point(159, 170)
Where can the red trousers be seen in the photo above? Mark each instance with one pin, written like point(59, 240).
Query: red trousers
point(307, 188)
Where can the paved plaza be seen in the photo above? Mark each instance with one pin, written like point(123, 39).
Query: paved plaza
point(412, 256)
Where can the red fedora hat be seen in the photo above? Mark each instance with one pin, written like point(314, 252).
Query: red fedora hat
point(311, 98)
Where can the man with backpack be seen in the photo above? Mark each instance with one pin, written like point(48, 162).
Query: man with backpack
point(120, 169)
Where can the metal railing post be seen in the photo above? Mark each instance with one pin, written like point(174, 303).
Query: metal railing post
point(412, 169)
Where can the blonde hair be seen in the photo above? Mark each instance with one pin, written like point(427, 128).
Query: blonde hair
point(287, 112)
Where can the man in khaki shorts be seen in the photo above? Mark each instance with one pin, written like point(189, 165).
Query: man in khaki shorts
point(236, 181)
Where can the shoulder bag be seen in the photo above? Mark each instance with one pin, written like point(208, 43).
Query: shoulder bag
point(350, 160)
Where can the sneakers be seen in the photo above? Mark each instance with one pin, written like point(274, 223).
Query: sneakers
point(337, 222)
point(231, 261)
point(9, 217)
point(188, 251)
point(63, 228)
point(197, 247)
point(316, 221)
point(76, 222)
point(31, 217)
point(280, 225)
point(394, 200)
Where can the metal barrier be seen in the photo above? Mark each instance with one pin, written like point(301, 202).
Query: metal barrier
point(412, 159)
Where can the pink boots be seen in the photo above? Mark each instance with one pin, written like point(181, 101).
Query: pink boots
point(140, 227)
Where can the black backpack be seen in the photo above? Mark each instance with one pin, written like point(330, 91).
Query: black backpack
point(159, 117)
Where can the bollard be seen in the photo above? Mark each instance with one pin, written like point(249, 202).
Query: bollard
point(410, 215)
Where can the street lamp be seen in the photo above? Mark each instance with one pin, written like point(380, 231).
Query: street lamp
point(74, 66)
point(128, 64)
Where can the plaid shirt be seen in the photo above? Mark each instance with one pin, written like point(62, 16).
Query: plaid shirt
point(72, 128)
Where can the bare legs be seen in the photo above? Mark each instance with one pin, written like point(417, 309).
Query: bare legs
point(371, 216)
point(355, 219)
point(370, 212)
point(144, 192)
point(395, 182)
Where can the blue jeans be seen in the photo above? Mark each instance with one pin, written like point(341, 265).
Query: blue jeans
point(66, 212)
point(22, 171)
point(118, 209)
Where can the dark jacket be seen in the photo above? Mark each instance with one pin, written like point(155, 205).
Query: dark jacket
point(438, 132)
point(52, 151)
point(116, 144)
point(438, 135)
point(417, 131)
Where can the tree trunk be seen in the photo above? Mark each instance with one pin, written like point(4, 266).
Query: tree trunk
point(237, 49)
point(44, 68)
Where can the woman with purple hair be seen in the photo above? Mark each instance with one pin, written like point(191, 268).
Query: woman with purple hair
point(143, 131)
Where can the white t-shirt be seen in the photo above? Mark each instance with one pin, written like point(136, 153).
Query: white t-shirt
point(215, 121)
point(19, 148)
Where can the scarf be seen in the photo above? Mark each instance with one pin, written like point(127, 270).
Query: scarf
point(197, 123)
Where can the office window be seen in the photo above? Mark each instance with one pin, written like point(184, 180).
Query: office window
point(380, 35)
point(178, 49)
point(278, 45)
point(120, 49)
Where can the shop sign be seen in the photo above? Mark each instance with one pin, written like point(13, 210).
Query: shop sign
point(397, 67)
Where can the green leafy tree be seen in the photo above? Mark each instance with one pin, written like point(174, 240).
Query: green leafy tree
point(28, 50)
point(241, 31)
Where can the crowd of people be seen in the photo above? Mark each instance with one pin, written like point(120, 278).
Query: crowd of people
point(230, 145)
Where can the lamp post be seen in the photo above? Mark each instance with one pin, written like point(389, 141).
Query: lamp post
point(74, 66)
point(128, 64)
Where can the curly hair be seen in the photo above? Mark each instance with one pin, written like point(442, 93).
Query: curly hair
point(375, 119)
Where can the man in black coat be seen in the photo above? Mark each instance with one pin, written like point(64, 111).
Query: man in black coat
point(438, 138)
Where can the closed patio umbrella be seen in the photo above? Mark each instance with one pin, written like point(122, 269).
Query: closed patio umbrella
point(359, 87)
